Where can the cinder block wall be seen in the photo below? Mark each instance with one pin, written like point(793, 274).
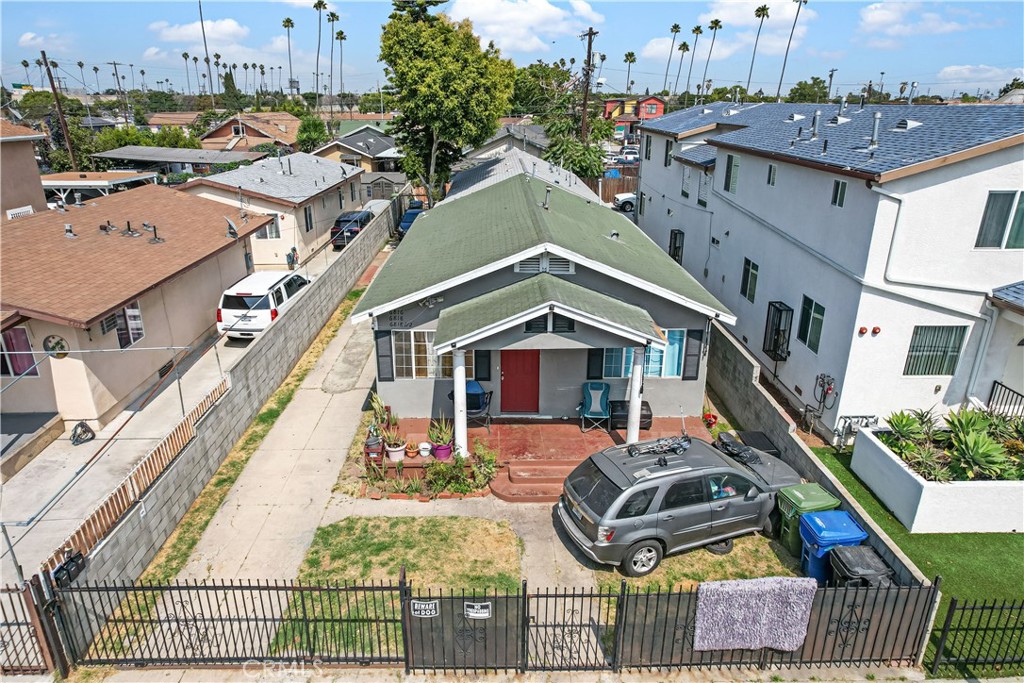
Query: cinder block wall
point(733, 374)
point(131, 546)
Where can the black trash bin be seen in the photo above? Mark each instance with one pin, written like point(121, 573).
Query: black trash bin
point(859, 565)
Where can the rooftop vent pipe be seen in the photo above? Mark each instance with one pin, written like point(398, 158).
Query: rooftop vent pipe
point(156, 239)
point(289, 166)
point(861, 103)
point(842, 105)
point(78, 199)
point(68, 232)
point(874, 130)
point(547, 197)
point(814, 124)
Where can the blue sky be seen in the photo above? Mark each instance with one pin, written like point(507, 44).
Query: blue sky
point(945, 46)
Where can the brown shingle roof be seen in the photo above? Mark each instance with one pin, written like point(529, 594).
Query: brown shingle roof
point(78, 281)
point(174, 118)
point(10, 130)
point(277, 126)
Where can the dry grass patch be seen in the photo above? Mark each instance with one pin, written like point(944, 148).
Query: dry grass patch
point(753, 556)
point(437, 552)
point(353, 471)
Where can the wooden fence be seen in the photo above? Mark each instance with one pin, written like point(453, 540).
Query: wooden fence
point(109, 512)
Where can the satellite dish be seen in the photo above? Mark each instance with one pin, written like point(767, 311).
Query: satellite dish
point(232, 229)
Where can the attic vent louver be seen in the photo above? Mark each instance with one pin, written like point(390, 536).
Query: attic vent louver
point(838, 120)
point(546, 263)
point(795, 117)
point(907, 124)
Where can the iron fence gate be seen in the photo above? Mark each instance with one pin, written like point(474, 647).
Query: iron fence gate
point(983, 632)
point(21, 643)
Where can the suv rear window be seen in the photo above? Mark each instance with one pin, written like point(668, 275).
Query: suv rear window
point(244, 303)
point(593, 487)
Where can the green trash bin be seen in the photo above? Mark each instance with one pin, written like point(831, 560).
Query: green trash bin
point(794, 501)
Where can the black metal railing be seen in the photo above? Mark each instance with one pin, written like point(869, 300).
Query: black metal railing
point(1005, 401)
point(20, 648)
point(208, 623)
point(986, 632)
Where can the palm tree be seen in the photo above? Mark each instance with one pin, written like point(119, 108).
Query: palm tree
point(96, 73)
point(263, 73)
point(39, 64)
point(142, 74)
point(778, 92)
point(279, 87)
point(332, 17)
point(288, 25)
point(188, 79)
point(675, 32)
point(319, 6)
point(762, 14)
point(341, 38)
point(696, 31)
point(81, 69)
point(683, 48)
point(714, 26)
point(132, 67)
point(195, 63)
point(216, 64)
point(25, 64)
point(630, 60)
point(245, 68)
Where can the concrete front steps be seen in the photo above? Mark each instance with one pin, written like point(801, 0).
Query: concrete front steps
point(532, 481)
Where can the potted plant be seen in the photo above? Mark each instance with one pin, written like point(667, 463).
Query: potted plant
point(380, 411)
point(411, 450)
point(394, 444)
point(440, 435)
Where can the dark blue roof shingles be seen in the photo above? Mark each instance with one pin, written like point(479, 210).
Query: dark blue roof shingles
point(1011, 294)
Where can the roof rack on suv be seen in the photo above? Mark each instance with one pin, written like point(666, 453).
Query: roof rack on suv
point(673, 444)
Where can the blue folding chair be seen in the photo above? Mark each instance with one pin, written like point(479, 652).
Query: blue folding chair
point(594, 408)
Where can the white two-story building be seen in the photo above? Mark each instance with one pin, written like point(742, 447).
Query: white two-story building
point(858, 246)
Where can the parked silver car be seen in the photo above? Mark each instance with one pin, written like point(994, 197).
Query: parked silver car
point(632, 505)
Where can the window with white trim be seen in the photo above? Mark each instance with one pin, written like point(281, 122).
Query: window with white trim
point(703, 184)
point(271, 231)
point(341, 197)
point(129, 325)
point(352, 190)
point(643, 201)
point(668, 152)
point(652, 109)
point(414, 356)
point(748, 285)
point(935, 350)
point(15, 357)
point(647, 148)
point(686, 181)
point(307, 213)
point(772, 171)
point(237, 131)
point(838, 193)
point(675, 245)
point(812, 319)
point(732, 173)
point(1002, 224)
point(618, 363)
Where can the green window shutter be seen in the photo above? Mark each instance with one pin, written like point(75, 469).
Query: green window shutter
point(691, 354)
point(482, 366)
point(385, 367)
point(595, 363)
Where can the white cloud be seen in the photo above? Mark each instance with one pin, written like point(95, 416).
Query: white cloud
point(51, 42)
point(656, 48)
point(523, 25)
point(969, 78)
point(886, 22)
point(155, 54)
point(217, 31)
point(30, 39)
point(831, 55)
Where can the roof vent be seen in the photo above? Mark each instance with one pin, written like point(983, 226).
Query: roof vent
point(68, 232)
point(547, 197)
point(82, 175)
point(838, 120)
point(795, 117)
point(155, 239)
point(907, 124)
point(614, 235)
point(730, 112)
point(814, 124)
point(705, 110)
point(128, 232)
point(78, 199)
point(874, 130)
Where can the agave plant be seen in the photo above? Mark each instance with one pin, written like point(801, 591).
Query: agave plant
point(930, 462)
point(978, 456)
point(928, 421)
point(904, 431)
point(1002, 427)
point(967, 421)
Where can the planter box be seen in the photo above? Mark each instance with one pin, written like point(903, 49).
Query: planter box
point(928, 507)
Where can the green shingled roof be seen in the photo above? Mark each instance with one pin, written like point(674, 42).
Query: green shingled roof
point(459, 237)
point(539, 290)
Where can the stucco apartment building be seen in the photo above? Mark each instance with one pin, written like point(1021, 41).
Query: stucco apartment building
point(124, 277)
point(21, 191)
point(302, 193)
point(859, 246)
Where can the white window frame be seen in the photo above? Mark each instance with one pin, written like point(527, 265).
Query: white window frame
point(839, 193)
point(341, 198)
point(33, 371)
point(814, 315)
point(732, 173)
point(438, 366)
point(773, 171)
point(748, 282)
point(237, 131)
point(686, 182)
point(1016, 206)
point(125, 317)
point(307, 215)
point(654, 363)
point(948, 354)
point(271, 231)
point(703, 185)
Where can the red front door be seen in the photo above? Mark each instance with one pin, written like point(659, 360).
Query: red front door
point(520, 381)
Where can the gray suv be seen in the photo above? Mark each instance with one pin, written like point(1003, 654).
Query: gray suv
point(632, 505)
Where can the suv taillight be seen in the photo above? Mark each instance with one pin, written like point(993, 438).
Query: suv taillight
point(220, 318)
point(604, 534)
point(273, 314)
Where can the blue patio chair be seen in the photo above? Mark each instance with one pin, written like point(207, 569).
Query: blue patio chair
point(478, 404)
point(594, 408)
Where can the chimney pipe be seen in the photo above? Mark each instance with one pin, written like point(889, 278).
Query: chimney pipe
point(814, 124)
point(68, 232)
point(874, 129)
point(861, 103)
point(842, 105)
point(156, 239)
point(289, 167)
point(799, 133)
point(824, 148)
point(547, 197)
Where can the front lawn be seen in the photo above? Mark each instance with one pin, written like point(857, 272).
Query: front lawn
point(972, 566)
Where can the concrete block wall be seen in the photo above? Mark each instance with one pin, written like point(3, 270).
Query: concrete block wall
point(133, 543)
point(733, 374)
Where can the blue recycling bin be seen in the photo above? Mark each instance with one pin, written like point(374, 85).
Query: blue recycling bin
point(822, 531)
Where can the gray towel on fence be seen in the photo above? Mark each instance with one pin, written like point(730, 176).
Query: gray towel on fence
point(751, 614)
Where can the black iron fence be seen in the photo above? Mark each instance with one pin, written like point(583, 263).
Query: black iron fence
point(193, 623)
point(986, 632)
point(1005, 401)
point(21, 649)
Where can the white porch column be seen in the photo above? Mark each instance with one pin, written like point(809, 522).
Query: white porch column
point(636, 380)
point(459, 375)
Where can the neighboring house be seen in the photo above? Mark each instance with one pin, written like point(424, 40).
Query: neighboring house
point(112, 294)
point(303, 193)
point(175, 159)
point(477, 174)
point(533, 290)
point(629, 113)
point(244, 131)
point(367, 148)
point(173, 119)
point(858, 244)
point(526, 137)
point(1015, 96)
point(382, 185)
point(21, 192)
point(72, 186)
point(98, 123)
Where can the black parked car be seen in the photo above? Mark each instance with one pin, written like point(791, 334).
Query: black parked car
point(347, 226)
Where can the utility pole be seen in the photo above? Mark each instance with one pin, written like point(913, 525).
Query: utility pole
point(830, 73)
point(881, 87)
point(120, 90)
point(60, 112)
point(209, 74)
point(587, 67)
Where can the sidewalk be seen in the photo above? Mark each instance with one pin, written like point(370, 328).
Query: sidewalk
point(62, 465)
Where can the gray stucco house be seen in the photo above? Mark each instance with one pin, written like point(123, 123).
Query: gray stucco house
point(532, 289)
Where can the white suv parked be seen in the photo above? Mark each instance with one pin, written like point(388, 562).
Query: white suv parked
point(252, 303)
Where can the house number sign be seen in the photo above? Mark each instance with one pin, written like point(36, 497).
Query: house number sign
point(424, 608)
point(478, 610)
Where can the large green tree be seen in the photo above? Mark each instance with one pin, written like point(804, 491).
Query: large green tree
point(538, 86)
point(1012, 85)
point(816, 90)
point(312, 134)
point(449, 91)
